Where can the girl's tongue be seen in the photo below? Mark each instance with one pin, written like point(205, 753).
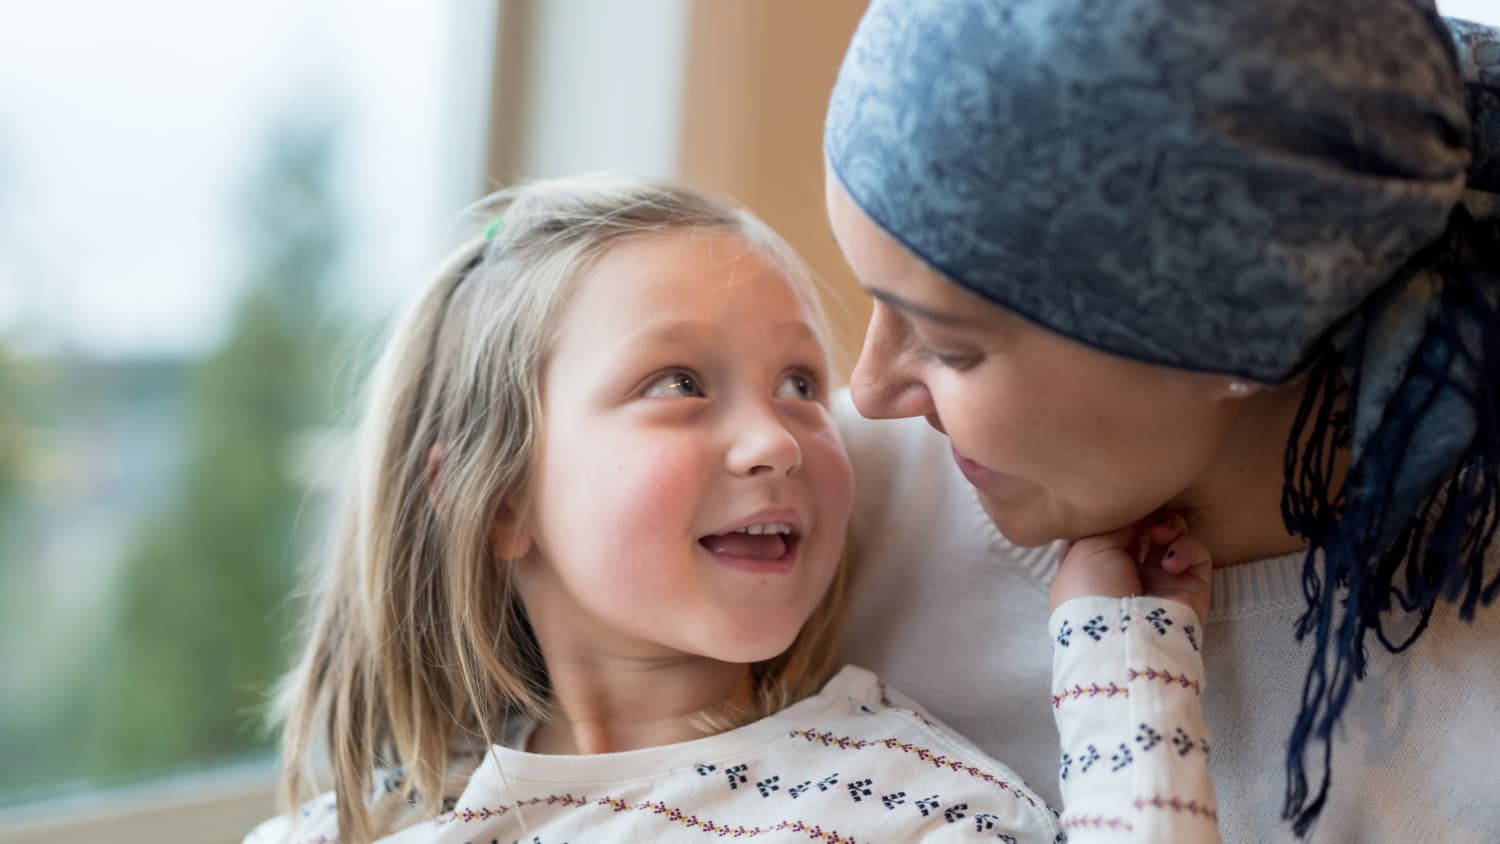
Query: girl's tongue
point(766, 546)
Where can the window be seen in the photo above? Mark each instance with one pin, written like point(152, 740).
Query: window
point(1483, 11)
point(206, 211)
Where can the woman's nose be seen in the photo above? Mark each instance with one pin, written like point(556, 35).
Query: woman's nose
point(885, 383)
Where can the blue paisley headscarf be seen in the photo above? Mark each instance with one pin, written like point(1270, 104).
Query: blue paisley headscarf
point(1261, 188)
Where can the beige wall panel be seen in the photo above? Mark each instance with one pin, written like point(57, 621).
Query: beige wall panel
point(756, 84)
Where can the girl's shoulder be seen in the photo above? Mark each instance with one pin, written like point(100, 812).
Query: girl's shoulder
point(876, 745)
point(883, 719)
point(391, 809)
point(315, 820)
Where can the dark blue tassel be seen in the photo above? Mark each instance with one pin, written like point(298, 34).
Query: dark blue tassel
point(1369, 544)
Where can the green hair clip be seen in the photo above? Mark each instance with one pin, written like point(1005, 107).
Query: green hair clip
point(494, 228)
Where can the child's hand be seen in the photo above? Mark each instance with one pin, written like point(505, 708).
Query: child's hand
point(1154, 557)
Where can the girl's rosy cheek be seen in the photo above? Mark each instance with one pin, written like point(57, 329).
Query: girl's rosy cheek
point(660, 487)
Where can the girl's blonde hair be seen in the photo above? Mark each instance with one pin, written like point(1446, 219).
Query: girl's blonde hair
point(419, 648)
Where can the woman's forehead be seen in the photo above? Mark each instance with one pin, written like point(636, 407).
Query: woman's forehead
point(895, 277)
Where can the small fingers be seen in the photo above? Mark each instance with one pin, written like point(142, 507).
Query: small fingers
point(1185, 554)
point(1089, 546)
point(1096, 565)
point(1165, 526)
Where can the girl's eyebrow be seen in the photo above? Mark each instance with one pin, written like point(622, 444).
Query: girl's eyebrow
point(922, 311)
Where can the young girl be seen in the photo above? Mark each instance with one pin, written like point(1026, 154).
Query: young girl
point(587, 581)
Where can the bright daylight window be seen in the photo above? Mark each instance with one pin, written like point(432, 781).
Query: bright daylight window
point(205, 210)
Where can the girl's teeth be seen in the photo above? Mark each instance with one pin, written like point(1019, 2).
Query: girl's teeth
point(776, 527)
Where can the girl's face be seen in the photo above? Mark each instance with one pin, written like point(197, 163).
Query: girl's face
point(691, 492)
point(1060, 440)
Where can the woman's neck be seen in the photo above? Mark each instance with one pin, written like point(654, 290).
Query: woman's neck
point(1235, 507)
point(612, 704)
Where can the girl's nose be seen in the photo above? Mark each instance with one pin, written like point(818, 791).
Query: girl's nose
point(764, 445)
point(885, 382)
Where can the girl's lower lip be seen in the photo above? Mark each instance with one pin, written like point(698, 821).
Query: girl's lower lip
point(784, 565)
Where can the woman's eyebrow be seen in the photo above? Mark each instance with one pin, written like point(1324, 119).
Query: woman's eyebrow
point(922, 311)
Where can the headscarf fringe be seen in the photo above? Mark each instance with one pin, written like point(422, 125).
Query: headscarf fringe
point(1441, 550)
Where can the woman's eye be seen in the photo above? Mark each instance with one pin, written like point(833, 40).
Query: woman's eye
point(675, 385)
point(952, 361)
point(797, 385)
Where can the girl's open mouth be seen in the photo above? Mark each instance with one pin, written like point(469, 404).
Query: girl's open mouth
point(771, 547)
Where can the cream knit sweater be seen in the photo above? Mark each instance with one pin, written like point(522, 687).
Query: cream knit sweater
point(859, 762)
point(945, 606)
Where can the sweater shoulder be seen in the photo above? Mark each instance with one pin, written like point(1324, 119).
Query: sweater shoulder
point(887, 721)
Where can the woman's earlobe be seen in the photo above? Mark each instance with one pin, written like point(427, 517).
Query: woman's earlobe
point(1240, 388)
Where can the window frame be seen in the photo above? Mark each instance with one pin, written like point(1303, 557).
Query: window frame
point(219, 805)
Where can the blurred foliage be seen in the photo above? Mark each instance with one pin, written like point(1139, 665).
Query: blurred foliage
point(16, 424)
point(176, 673)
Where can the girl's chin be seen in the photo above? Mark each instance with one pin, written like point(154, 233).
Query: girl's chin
point(752, 647)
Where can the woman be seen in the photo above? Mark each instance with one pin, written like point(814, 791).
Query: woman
point(1239, 260)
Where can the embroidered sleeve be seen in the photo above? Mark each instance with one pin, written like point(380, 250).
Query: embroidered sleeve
point(1127, 678)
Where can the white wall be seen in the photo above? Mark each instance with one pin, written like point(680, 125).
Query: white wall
point(1484, 11)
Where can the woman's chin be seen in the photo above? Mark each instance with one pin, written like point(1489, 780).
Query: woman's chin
point(1025, 526)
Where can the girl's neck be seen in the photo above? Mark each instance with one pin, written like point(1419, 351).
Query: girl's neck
point(609, 705)
point(1235, 507)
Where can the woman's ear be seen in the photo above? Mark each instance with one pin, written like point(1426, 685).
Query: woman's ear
point(510, 536)
point(1238, 389)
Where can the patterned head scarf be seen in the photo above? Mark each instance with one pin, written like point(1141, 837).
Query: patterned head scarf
point(1304, 188)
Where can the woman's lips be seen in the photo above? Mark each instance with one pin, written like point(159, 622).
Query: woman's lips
point(995, 487)
point(980, 476)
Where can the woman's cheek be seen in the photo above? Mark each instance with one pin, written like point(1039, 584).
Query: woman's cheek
point(990, 440)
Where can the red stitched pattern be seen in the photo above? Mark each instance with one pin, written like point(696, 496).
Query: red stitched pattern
point(670, 814)
point(1098, 822)
point(937, 760)
point(674, 815)
point(1174, 804)
point(485, 813)
point(1167, 677)
point(1092, 690)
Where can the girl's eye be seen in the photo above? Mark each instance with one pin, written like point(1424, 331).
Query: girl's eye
point(797, 385)
point(674, 385)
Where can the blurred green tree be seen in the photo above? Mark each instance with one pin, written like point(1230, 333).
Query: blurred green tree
point(200, 630)
point(14, 435)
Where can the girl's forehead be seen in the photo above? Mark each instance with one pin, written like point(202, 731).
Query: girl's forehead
point(704, 282)
point(686, 271)
point(646, 298)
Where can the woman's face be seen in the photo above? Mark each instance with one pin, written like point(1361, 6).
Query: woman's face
point(1060, 440)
